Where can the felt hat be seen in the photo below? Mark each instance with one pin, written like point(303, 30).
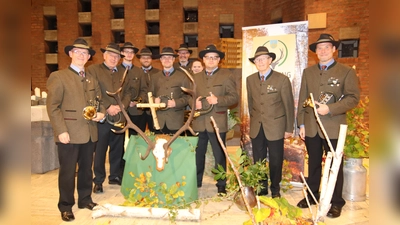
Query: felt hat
point(211, 48)
point(262, 50)
point(129, 45)
point(167, 51)
point(112, 47)
point(183, 47)
point(79, 43)
point(324, 38)
point(145, 52)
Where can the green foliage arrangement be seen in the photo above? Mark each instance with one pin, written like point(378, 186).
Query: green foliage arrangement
point(250, 174)
point(357, 138)
point(145, 195)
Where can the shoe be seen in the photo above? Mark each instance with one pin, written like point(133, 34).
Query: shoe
point(98, 188)
point(116, 180)
point(67, 216)
point(334, 212)
point(89, 206)
point(221, 190)
point(303, 203)
point(263, 192)
point(276, 195)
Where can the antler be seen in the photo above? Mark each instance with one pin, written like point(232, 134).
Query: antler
point(186, 126)
point(130, 124)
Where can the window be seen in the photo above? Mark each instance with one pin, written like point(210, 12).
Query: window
point(226, 31)
point(191, 40)
point(348, 48)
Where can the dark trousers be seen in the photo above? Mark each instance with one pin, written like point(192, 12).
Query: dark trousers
point(275, 158)
point(139, 121)
point(68, 156)
point(116, 142)
point(201, 151)
point(315, 148)
point(165, 130)
point(149, 121)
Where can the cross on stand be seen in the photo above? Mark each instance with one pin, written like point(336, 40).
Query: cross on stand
point(153, 107)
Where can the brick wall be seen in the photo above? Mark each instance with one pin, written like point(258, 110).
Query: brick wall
point(340, 13)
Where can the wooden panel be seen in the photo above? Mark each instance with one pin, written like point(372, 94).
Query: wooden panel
point(50, 35)
point(117, 24)
point(349, 33)
point(190, 4)
point(226, 19)
point(49, 10)
point(152, 40)
point(84, 17)
point(190, 28)
point(152, 15)
point(117, 3)
point(316, 20)
point(51, 58)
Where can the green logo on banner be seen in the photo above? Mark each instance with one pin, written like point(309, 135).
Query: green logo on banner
point(280, 50)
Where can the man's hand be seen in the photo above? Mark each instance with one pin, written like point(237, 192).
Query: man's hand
point(322, 109)
point(132, 104)
point(302, 133)
point(157, 100)
point(199, 105)
point(113, 110)
point(171, 103)
point(212, 99)
point(99, 116)
point(64, 138)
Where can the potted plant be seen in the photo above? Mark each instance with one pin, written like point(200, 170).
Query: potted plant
point(355, 149)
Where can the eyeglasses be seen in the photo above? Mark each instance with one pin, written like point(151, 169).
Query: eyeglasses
point(211, 57)
point(261, 59)
point(81, 52)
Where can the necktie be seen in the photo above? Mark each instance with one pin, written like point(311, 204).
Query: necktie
point(323, 67)
point(209, 73)
point(146, 70)
point(112, 70)
point(82, 73)
point(167, 73)
point(262, 77)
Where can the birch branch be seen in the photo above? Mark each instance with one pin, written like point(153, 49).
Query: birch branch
point(249, 209)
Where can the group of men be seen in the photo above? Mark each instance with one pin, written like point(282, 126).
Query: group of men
point(270, 101)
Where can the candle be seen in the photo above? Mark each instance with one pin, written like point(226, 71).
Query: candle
point(37, 92)
point(44, 94)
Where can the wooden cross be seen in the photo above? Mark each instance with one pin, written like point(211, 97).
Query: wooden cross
point(153, 107)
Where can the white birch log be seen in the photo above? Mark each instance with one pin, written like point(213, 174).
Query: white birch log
point(325, 176)
point(325, 200)
point(143, 212)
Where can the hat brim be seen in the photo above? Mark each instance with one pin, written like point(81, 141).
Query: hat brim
point(313, 46)
point(270, 54)
point(68, 48)
point(139, 55)
point(112, 50)
point(159, 56)
point(135, 50)
point(190, 51)
point(204, 52)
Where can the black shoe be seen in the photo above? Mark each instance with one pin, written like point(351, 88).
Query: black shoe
point(89, 206)
point(98, 188)
point(67, 216)
point(221, 190)
point(116, 180)
point(303, 203)
point(334, 212)
point(276, 195)
point(263, 192)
